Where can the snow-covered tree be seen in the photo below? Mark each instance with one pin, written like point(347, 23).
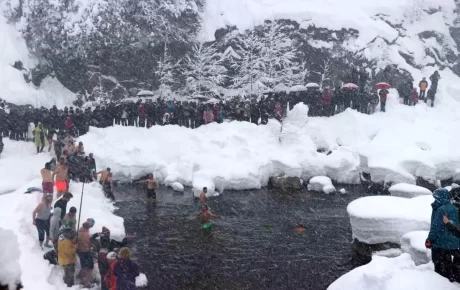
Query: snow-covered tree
point(296, 74)
point(165, 71)
point(277, 53)
point(325, 72)
point(250, 66)
point(203, 68)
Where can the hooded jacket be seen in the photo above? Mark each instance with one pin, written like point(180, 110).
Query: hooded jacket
point(439, 235)
point(55, 224)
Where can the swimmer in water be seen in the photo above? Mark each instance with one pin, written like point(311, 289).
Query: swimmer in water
point(203, 199)
point(206, 215)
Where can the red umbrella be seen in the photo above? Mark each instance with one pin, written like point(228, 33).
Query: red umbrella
point(350, 86)
point(383, 86)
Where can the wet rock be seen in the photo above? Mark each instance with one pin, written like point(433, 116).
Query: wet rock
point(286, 183)
point(362, 252)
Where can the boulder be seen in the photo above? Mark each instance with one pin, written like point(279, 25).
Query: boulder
point(408, 190)
point(321, 184)
point(286, 183)
point(176, 186)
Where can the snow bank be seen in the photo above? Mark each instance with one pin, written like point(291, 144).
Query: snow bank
point(398, 273)
point(15, 214)
point(20, 163)
point(10, 271)
point(13, 87)
point(408, 190)
point(380, 219)
point(413, 243)
point(177, 186)
point(321, 184)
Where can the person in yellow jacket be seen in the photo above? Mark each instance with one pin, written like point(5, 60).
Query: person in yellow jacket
point(67, 252)
point(423, 85)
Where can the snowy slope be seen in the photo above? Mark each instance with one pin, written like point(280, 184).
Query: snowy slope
point(13, 87)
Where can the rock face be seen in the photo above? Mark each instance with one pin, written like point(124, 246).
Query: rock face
point(286, 183)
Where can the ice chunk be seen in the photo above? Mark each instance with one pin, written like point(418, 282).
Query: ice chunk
point(398, 273)
point(380, 219)
point(343, 191)
point(321, 184)
point(413, 243)
point(408, 190)
point(177, 186)
point(141, 280)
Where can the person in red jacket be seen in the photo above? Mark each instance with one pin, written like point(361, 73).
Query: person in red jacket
point(325, 102)
point(414, 97)
point(383, 94)
point(68, 125)
point(142, 115)
point(110, 280)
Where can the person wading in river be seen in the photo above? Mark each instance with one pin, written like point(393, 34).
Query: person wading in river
point(151, 185)
point(61, 174)
point(203, 199)
point(104, 174)
point(107, 186)
point(206, 215)
point(47, 179)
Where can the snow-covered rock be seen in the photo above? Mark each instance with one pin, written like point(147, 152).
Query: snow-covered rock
point(398, 273)
point(413, 243)
point(380, 219)
point(408, 190)
point(177, 186)
point(343, 191)
point(321, 184)
point(10, 271)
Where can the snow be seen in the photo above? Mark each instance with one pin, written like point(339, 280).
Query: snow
point(10, 271)
point(145, 93)
point(390, 253)
point(380, 219)
point(398, 273)
point(413, 243)
point(408, 190)
point(16, 209)
point(177, 186)
point(321, 184)
point(343, 191)
point(141, 280)
point(13, 87)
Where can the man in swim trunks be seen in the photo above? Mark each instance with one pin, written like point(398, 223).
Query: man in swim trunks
point(47, 179)
point(206, 215)
point(104, 174)
point(151, 185)
point(61, 173)
point(84, 253)
point(203, 199)
point(107, 187)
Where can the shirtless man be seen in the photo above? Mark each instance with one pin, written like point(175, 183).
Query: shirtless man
point(69, 147)
point(84, 253)
point(107, 186)
point(151, 185)
point(104, 174)
point(80, 148)
point(61, 174)
point(206, 215)
point(203, 199)
point(47, 179)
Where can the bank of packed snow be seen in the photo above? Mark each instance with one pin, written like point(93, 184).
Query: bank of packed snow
point(22, 168)
point(413, 243)
point(321, 184)
point(13, 87)
point(10, 271)
point(398, 273)
point(380, 219)
point(408, 190)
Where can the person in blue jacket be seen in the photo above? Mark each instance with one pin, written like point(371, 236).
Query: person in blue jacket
point(444, 245)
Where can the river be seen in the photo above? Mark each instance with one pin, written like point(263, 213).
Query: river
point(253, 246)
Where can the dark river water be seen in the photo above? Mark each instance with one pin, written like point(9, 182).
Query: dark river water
point(253, 246)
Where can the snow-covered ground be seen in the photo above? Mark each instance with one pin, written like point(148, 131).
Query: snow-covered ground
point(381, 219)
point(398, 273)
point(408, 190)
point(13, 87)
point(413, 243)
point(20, 169)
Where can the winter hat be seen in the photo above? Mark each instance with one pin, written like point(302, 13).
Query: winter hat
point(105, 232)
point(91, 222)
point(124, 253)
point(112, 256)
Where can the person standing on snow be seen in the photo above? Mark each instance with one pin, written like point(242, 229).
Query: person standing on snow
point(41, 219)
point(443, 244)
point(39, 138)
point(55, 225)
point(71, 216)
point(110, 281)
point(423, 85)
point(67, 252)
point(47, 179)
point(84, 252)
point(383, 94)
point(414, 97)
point(125, 271)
